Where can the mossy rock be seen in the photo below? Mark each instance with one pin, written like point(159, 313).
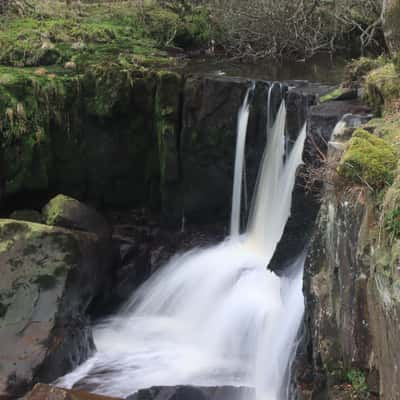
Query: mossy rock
point(382, 87)
point(356, 71)
point(387, 128)
point(368, 160)
point(49, 278)
point(340, 93)
point(70, 213)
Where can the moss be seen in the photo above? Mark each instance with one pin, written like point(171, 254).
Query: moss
point(195, 31)
point(357, 70)
point(340, 93)
point(387, 128)
point(55, 207)
point(368, 160)
point(382, 88)
point(29, 105)
point(101, 33)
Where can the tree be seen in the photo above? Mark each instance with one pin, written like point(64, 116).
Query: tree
point(259, 28)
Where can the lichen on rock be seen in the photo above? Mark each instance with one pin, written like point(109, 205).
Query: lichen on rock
point(50, 276)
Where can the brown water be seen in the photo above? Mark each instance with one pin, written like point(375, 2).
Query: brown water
point(322, 69)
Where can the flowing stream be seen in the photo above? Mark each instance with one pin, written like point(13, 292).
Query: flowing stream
point(214, 316)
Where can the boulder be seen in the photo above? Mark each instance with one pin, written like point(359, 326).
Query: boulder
point(192, 393)
point(46, 392)
point(50, 276)
point(70, 213)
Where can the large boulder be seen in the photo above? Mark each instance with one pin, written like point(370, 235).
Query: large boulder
point(50, 277)
point(70, 213)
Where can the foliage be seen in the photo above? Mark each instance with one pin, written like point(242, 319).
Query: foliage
point(382, 88)
point(356, 71)
point(392, 223)
point(368, 160)
point(358, 381)
point(55, 34)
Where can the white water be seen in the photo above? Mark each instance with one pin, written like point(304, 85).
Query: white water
point(243, 119)
point(215, 316)
point(273, 199)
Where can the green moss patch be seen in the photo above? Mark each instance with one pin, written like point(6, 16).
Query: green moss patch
point(382, 87)
point(368, 160)
point(357, 70)
point(101, 32)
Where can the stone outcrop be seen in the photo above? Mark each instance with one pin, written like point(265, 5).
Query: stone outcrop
point(142, 246)
point(50, 276)
point(351, 346)
point(70, 213)
point(321, 121)
point(134, 138)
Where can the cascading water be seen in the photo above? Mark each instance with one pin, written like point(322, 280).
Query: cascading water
point(243, 119)
point(216, 316)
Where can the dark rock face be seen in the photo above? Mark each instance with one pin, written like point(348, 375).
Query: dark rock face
point(352, 309)
point(191, 393)
point(132, 139)
point(207, 144)
point(50, 276)
point(142, 246)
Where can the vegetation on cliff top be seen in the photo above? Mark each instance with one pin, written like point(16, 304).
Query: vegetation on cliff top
point(51, 33)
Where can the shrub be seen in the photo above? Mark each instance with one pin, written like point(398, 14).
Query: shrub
point(392, 223)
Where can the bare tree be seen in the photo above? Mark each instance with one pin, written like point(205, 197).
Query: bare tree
point(259, 28)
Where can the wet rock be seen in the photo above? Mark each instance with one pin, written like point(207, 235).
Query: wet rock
point(207, 145)
point(192, 393)
point(351, 341)
point(321, 122)
point(70, 213)
point(50, 276)
point(143, 247)
point(46, 392)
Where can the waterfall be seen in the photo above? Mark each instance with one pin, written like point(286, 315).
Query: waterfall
point(243, 119)
point(214, 316)
point(273, 198)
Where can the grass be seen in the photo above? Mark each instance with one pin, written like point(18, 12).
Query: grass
point(52, 33)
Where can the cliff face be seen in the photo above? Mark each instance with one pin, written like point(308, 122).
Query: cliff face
point(352, 290)
point(131, 137)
